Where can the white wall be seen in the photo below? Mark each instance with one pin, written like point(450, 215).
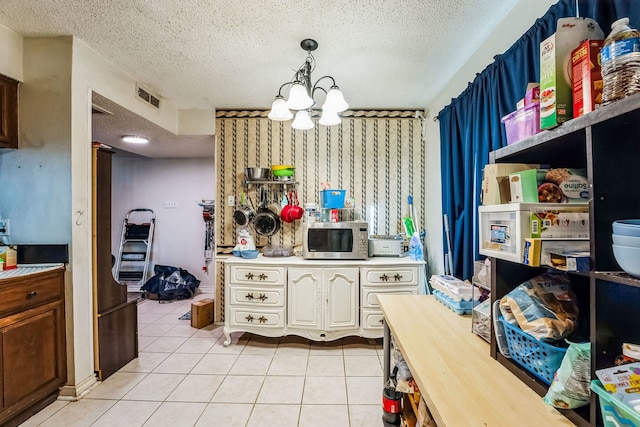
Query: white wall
point(10, 53)
point(179, 232)
point(518, 21)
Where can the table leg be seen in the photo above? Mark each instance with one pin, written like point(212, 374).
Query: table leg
point(386, 350)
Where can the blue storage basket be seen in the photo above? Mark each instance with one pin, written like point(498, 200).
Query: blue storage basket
point(539, 358)
point(614, 412)
point(333, 199)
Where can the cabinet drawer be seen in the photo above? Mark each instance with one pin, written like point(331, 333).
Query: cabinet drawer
point(25, 294)
point(261, 275)
point(258, 318)
point(264, 297)
point(372, 319)
point(369, 294)
point(385, 276)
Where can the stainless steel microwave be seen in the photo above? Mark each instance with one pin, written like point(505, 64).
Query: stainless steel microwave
point(335, 240)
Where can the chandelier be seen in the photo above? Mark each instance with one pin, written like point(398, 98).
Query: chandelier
point(302, 96)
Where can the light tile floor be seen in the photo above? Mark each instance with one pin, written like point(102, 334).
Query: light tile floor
point(186, 377)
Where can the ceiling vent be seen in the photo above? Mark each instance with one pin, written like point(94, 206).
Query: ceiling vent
point(145, 96)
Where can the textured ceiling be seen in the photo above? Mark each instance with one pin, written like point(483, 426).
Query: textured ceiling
point(235, 54)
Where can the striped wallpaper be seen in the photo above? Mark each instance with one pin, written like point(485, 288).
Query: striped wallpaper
point(376, 156)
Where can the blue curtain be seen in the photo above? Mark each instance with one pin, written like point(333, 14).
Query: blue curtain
point(470, 126)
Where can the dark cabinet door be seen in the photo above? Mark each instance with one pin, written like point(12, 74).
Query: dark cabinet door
point(8, 113)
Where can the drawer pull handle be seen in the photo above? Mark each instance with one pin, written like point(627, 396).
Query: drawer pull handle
point(32, 294)
point(249, 296)
point(384, 278)
point(398, 277)
point(262, 276)
point(263, 297)
point(262, 319)
point(381, 321)
point(249, 276)
point(249, 318)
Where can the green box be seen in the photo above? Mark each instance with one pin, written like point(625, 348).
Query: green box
point(524, 185)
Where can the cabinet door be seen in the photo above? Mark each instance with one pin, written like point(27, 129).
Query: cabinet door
point(304, 292)
point(8, 113)
point(341, 298)
point(33, 364)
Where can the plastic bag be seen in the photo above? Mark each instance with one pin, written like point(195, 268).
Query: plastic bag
point(570, 386)
point(171, 283)
point(544, 307)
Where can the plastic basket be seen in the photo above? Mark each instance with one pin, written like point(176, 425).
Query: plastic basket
point(614, 412)
point(537, 357)
point(333, 199)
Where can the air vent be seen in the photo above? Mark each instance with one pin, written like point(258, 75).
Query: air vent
point(145, 96)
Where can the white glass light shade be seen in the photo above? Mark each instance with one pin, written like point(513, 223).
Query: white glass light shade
point(298, 98)
point(279, 111)
point(335, 101)
point(135, 139)
point(302, 121)
point(329, 118)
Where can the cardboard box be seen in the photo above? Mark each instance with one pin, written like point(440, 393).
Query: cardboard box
point(532, 94)
point(524, 185)
point(562, 223)
point(538, 252)
point(559, 185)
point(202, 313)
point(556, 88)
point(570, 261)
point(587, 77)
point(490, 189)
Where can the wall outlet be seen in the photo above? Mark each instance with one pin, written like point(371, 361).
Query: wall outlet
point(231, 201)
point(170, 204)
point(4, 227)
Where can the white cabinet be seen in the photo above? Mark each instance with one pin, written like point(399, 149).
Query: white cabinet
point(323, 300)
point(319, 300)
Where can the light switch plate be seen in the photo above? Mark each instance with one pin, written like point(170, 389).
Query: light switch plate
point(231, 201)
point(170, 204)
point(4, 227)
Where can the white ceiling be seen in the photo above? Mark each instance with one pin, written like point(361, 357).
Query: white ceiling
point(230, 54)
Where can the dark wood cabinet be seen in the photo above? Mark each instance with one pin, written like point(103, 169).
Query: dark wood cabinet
point(115, 318)
point(8, 112)
point(32, 343)
point(605, 143)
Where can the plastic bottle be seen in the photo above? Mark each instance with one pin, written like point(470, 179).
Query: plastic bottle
point(620, 59)
point(414, 247)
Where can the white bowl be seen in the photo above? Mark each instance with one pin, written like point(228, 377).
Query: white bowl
point(622, 240)
point(628, 258)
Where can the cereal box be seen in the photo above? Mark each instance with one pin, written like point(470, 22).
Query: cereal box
point(556, 88)
point(587, 78)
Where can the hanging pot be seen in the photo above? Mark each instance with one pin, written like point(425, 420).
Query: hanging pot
point(244, 213)
point(296, 211)
point(266, 223)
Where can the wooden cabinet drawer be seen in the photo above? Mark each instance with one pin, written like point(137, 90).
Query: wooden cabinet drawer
point(369, 294)
point(258, 318)
point(372, 319)
point(385, 276)
point(261, 275)
point(266, 297)
point(30, 291)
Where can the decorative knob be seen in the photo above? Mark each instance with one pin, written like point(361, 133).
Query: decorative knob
point(263, 297)
point(249, 318)
point(262, 319)
point(398, 277)
point(249, 276)
point(262, 276)
point(32, 294)
point(249, 296)
point(384, 278)
point(381, 321)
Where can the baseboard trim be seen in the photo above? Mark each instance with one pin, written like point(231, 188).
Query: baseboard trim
point(75, 392)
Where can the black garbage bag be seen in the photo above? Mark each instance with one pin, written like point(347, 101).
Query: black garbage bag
point(171, 283)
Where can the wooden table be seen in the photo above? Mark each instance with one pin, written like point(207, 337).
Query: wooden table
point(460, 383)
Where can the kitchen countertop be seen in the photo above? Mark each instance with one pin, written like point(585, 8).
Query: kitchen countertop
point(296, 260)
point(26, 269)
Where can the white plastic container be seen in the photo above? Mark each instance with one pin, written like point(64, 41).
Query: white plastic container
point(311, 212)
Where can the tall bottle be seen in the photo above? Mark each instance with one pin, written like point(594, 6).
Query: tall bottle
point(620, 59)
